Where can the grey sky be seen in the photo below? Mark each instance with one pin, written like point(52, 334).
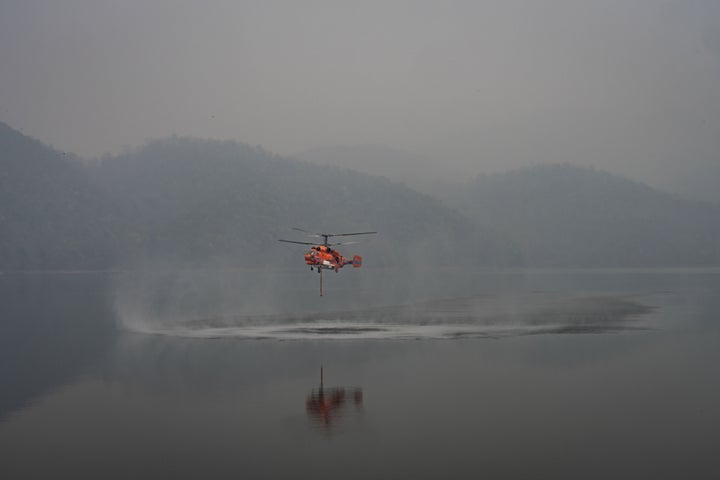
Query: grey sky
point(632, 86)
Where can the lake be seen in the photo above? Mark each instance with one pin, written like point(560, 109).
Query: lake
point(442, 374)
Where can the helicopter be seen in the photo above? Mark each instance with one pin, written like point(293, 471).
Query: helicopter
point(323, 256)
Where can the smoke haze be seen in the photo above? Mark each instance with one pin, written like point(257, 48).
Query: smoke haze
point(628, 87)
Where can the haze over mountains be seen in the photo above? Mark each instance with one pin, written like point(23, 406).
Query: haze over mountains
point(564, 215)
point(192, 202)
point(422, 173)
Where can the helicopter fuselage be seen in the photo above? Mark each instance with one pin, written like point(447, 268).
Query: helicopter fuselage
point(322, 256)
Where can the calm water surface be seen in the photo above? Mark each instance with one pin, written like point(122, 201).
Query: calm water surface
point(552, 374)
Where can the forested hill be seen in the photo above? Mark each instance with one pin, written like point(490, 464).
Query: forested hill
point(563, 215)
point(190, 202)
point(51, 216)
point(225, 202)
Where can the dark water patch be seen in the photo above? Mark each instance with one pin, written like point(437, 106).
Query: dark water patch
point(349, 330)
point(587, 329)
point(52, 328)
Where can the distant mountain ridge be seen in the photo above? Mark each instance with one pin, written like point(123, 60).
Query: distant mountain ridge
point(565, 215)
point(192, 202)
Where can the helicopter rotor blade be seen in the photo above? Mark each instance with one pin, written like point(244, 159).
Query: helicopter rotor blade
point(293, 241)
point(309, 234)
point(348, 234)
point(342, 243)
point(314, 234)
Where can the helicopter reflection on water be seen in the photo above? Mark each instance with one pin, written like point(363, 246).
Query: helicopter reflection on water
point(326, 406)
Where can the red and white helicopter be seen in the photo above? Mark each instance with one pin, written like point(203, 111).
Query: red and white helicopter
point(323, 256)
